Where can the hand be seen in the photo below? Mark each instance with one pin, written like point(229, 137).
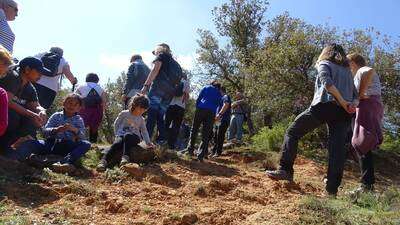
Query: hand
point(218, 117)
point(150, 145)
point(75, 81)
point(71, 128)
point(144, 89)
point(37, 120)
point(351, 108)
point(43, 115)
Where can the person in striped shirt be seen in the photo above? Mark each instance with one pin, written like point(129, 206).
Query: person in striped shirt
point(8, 12)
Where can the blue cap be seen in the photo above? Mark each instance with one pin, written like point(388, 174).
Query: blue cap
point(34, 63)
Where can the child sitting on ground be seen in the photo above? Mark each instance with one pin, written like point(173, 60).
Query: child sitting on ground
point(65, 136)
point(130, 129)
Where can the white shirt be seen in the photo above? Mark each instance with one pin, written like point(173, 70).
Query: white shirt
point(52, 82)
point(178, 100)
point(7, 37)
point(84, 89)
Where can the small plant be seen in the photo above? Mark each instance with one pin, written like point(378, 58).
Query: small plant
point(147, 210)
point(91, 159)
point(116, 175)
point(49, 176)
point(270, 139)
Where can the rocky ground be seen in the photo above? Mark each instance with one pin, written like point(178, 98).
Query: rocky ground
point(229, 190)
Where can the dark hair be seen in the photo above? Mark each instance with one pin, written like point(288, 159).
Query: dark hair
point(138, 101)
point(92, 77)
point(216, 84)
point(357, 59)
point(135, 57)
point(75, 97)
point(223, 89)
point(334, 53)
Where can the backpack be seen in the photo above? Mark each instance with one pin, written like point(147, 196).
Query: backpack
point(51, 61)
point(167, 83)
point(179, 90)
point(92, 99)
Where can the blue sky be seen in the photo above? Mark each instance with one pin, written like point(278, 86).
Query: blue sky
point(100, 36)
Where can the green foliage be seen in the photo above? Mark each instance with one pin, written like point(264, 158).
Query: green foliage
point(391, 142)
point(49, 176)
point(91, 158)
point(270, 139)
point(115, 175)
point(368, 208)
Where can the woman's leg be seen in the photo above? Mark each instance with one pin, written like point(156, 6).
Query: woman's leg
point(337, 154)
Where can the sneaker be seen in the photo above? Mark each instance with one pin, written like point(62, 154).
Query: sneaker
point(363, 188)
point(279, 175)
point(124, 160)
point(102, 166)
point(63, 168)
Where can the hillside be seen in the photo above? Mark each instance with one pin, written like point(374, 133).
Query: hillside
point(228, 190)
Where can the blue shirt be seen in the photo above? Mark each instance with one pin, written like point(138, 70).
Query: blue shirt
point(227, 115)
point(209, 98)
point(59, 119)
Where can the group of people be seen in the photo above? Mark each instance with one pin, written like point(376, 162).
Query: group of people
point(347, 93)
point(344, 87)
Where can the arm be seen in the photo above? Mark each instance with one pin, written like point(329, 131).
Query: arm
point(129, 79)
point(80, 128)
point(52, 127)
point(223, 110)
point(18, 108)
point(200, 96)
point(366, 81)
point(3, 111)
point(67, 72)
point(237, 103)
point(145, 133)
point(153, 74)
point(118, 122)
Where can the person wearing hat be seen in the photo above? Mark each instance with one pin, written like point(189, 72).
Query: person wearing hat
point(47, 87)
point(8, 12)
point(25, 114)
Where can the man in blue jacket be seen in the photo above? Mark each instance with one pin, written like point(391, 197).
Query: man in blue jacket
point(206, 106)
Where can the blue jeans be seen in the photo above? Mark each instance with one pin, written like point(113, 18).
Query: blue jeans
point(70, 150)
point(155, 114)
point(236, 127)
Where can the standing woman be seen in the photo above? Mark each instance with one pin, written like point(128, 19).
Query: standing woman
point(5, 62)
point(94, 102)
point(334, 101)
point(367, 134)
point(8, 12)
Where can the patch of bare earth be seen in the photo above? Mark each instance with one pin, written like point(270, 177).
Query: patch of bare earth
point(230, 190)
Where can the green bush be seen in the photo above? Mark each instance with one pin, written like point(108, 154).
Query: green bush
point(390, 143)
point(271, 139)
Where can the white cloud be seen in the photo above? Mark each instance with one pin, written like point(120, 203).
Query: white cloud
point(120, 62)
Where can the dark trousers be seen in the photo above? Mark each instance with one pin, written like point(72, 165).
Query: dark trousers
point(18, 126)
point(203, 117)
point(71, 151)
point(173, 121)
point(219, 136)
point(338, 121)
point(46, 95)
point(367, 169)
point(121, 147)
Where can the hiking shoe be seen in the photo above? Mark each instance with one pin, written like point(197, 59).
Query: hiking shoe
point(279, 175)
point(102, 166)
point(363, 188)
point(124, 160)
point(63, 168)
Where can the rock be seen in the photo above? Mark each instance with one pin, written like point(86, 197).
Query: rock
point(224, 185)
point(134, 170)
point(142, 156)
point(189, 219)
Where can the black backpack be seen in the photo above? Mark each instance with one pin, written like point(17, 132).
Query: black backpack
point(168, 81)
point(179, 90)
point(51, 61)
point(92, 99)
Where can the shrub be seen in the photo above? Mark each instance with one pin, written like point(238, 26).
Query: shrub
point(390, 143)
point(271, 139)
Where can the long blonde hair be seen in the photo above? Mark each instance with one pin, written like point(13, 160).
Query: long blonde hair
point(334, 53)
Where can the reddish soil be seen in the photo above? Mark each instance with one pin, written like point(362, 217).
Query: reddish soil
point(230, 190)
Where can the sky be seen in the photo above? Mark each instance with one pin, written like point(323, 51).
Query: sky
point(100, 35)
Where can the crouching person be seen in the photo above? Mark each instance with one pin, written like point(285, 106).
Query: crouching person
point(130, 129)
point(65, 136)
